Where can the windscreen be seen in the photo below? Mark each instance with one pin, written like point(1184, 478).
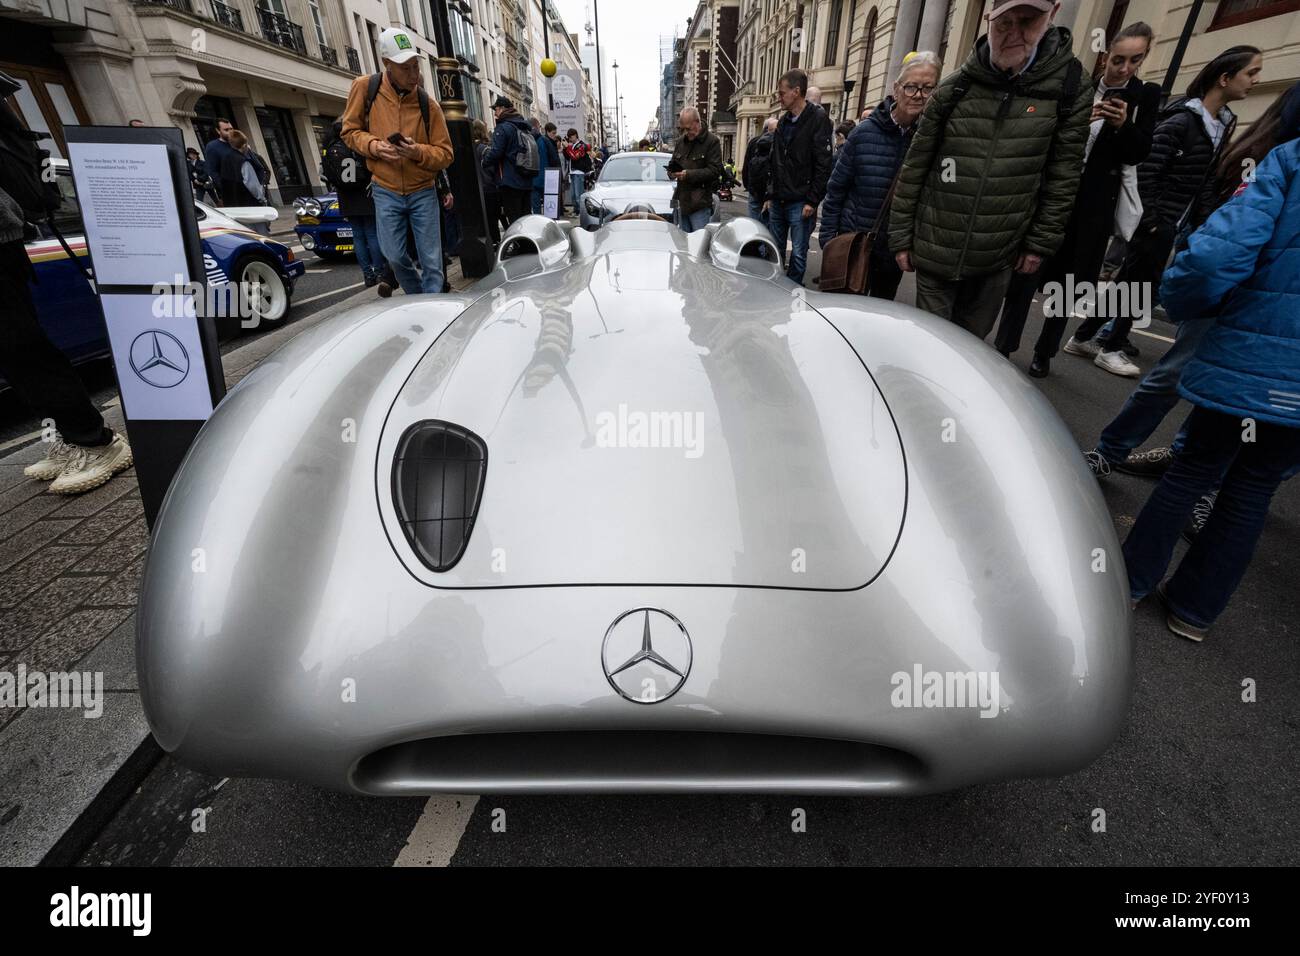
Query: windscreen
point(635, 169)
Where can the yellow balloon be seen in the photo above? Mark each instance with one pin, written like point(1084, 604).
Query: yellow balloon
point(548, 67)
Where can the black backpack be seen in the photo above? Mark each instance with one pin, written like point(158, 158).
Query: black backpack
point(373, 90)
point(24, 165)
point(527, 157)
point(335, 156)
point(760, 164)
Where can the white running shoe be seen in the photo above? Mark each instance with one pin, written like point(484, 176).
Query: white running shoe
point(1088, 349)
point(1117, 363)
point(91, 467)
point(55, 460)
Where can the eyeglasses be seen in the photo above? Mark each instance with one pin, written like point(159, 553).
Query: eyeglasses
point(911, 89)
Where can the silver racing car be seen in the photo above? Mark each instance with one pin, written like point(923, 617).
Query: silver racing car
point(635, 513)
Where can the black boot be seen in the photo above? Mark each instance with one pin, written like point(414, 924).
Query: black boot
point(1039, 365)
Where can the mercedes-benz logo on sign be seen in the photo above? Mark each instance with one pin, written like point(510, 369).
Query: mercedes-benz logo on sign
point(646, 655)
point(159, 359)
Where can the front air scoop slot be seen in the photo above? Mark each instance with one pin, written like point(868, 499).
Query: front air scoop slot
point(438, 475)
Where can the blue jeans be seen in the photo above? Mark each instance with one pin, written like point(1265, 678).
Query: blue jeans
point(1155, 395)
point(695, 220)
point(421, 211)
point(365, 242)
point(787, 218)
point(577, 185)
point(1246, 474)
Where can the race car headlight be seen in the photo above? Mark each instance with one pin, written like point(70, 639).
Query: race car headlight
point(593, 208)
point(310, 207)
point(438, 475)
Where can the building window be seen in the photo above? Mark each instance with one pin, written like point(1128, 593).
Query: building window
point(47, 101)
point(318, 24)
point(833, 32)
point(1231, 13)
point(868, 54)
point(809, 45)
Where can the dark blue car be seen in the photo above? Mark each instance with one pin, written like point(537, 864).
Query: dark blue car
point(67, 306)
point(321, 227)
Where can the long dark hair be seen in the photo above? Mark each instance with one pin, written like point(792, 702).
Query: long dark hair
point(1264, 134)
point(1231, 62)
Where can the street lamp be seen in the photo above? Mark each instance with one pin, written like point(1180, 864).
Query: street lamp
point(622, 123)
point(600, 93)
point(475, 247)
point(618, 129)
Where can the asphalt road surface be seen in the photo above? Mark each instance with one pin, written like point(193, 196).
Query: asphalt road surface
point(1197, 777)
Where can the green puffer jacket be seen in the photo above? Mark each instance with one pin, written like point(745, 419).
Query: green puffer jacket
point(1014, 175)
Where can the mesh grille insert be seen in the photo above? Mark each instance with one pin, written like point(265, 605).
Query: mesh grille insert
point(438, 475)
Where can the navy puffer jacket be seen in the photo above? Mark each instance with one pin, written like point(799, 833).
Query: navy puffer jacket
point(865, 167)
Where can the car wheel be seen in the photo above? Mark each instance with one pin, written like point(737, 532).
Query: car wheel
point(273, 291)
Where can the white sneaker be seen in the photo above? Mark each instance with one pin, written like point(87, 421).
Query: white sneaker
point(55, 460)
point(91, 467)
point(1090, 349)
point(1116, 363)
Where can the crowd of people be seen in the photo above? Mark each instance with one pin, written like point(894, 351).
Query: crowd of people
point(386, 160)
point(1018, 175)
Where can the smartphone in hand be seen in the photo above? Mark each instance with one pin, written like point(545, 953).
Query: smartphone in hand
point(397, 139)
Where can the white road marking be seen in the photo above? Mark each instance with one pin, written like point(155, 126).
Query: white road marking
point(20, 440)
point(355, 285)
point(316, 272)
point(437, 833)
point(1152, 335)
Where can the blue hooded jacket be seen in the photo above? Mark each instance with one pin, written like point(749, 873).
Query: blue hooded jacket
point(864, 168)
point(1243, 266)
point(499, 157)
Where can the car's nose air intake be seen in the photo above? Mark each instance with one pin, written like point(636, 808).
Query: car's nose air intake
point(438, 475)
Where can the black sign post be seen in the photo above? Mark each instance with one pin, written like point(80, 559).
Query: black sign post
point(125, 185)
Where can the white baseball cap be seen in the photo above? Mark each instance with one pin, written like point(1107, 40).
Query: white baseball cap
point(396, 45)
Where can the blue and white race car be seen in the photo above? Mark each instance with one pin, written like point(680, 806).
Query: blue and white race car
point(65, 301)
point(321, 228)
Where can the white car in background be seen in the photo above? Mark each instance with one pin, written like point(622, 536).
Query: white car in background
point(631, 181)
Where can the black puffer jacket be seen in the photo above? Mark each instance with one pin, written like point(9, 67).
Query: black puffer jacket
point(1179, 164)
point(866, 165)
point(800, 170)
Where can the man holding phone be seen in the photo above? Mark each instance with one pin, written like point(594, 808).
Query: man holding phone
point(401, 132)
point(696, 167)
